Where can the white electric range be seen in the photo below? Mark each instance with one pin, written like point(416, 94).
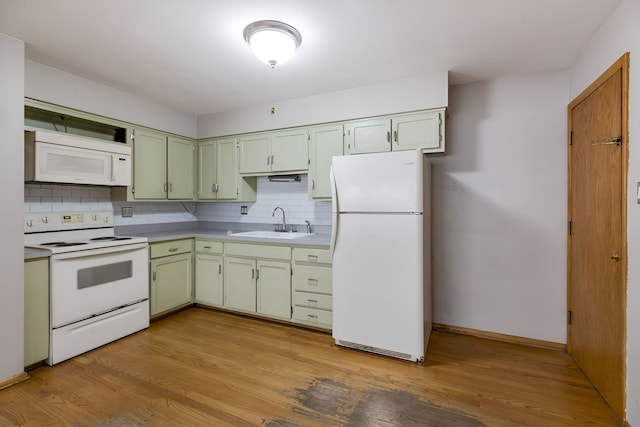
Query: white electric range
point(99, 282)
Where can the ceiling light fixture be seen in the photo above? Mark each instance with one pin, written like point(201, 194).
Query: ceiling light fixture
point(273, 42)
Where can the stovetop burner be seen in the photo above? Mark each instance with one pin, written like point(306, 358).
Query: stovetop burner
point(110, 238)
point(63, 244)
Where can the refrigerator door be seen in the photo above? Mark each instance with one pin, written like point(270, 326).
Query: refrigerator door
point(378, 182)
point(378, 286)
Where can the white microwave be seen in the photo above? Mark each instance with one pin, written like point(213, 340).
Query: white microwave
point(71, 159)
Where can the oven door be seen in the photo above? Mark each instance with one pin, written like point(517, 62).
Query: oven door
point(90, 282)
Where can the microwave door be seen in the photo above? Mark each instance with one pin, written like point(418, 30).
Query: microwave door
point(72, 165)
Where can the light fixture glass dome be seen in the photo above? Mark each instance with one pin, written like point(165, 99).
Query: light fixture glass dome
point(273, 42)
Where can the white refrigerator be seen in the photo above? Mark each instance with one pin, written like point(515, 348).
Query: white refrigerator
point(381, 250)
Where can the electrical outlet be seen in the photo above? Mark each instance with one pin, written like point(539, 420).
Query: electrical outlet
point(243, 210)
point(127, 212)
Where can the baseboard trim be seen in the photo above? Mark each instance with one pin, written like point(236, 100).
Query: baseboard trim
point(13, 380)
point(500, 337)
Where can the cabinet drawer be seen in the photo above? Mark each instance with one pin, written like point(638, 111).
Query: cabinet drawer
point(173, 247)
point(258, 251)
point(312, 279)
point(209, 247)
point(307, 299)
point(312, 315)
point(312, 255)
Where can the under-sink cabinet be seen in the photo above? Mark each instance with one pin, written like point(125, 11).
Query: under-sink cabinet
point(36, 311)
point(209, 272)
point(170, 275)
point(258, 279)
point(312, 287)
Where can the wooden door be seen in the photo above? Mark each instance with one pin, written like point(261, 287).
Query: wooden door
point(227, 169)
point(207, 173)
point(326, 141)
point(274, 289)
point(597, 238)
point(240, 284)
point(289, 150)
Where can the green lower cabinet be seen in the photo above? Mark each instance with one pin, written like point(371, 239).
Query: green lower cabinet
point(240, 284)
point(171, 283)
point(36, 311)
point(209, 279)
point(274, 289)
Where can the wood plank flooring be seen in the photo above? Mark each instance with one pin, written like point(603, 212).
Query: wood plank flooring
point(206, 368)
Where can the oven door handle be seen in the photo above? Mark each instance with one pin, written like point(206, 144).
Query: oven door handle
point(98, 252)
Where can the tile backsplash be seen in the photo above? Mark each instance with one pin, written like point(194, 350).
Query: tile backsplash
point(291, 196)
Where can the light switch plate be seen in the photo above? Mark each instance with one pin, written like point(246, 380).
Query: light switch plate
point(127, 212)
point(243, 210)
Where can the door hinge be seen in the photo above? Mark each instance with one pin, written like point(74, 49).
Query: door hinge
point(133, 190)
point(569, 314)
point(570, 137)
point(291, 271)
point(570, 224)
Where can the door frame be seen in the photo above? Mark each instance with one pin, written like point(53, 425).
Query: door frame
point(622, 64)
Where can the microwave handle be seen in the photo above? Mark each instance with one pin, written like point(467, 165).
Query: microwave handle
point(113, 167)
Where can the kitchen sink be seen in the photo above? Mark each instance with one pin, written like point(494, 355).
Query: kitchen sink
point(273, 234)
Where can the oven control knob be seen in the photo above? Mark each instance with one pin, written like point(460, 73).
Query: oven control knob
point(105, 219)
point(45, 220)
point(29, 223)
point(94, 217)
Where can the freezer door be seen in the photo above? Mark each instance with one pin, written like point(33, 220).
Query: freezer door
point(379, 182)
point(378, 283)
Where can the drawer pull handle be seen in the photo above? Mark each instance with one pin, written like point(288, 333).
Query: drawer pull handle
point(313, 282)
point(312, 257)
point(312, 316)
point(207, 247)
point(173, 249)
point(312, 301)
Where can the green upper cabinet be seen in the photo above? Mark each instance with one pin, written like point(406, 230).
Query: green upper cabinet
point(324, 143)
point(274, 152)
point(149, 165)
point(218, 174)
point(423, 130)
point(368, 136)
point(255, 153)
point(163, 167)
point(289, 150)
point(180, 168)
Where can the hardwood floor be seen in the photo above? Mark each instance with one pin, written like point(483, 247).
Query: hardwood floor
point(206, 368)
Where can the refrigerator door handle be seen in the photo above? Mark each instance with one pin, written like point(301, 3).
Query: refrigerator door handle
point(334, 212)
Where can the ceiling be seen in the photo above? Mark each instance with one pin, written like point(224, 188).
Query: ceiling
point(190, 54)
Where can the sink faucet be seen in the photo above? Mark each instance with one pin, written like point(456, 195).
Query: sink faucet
point(284, 223)
point(308, 226)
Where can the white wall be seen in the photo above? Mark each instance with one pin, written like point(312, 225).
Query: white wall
point(11, 173)
point(499, 208)
point(58, 87)
point(620, 34)
point(415, 93)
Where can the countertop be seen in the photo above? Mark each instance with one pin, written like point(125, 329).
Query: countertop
point(159, 236)
point(156, 233)
point(30, 253)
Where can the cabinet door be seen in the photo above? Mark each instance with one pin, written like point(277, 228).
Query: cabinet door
point(289, 150)
point(413, 131)
point(227, 167)
point(209, 279)
point(180, 165)
point(207, 173)
point(255, 153)
point(149, 165)
point(240, 284)
point(274, 289)
point(170, 282)
point(368, 136)
point(325, 142)
point(36, 311)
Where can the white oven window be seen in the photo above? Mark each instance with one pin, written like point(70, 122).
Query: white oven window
point(102, 274)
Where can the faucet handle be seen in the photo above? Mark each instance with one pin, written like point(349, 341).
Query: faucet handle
point(308, 226)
